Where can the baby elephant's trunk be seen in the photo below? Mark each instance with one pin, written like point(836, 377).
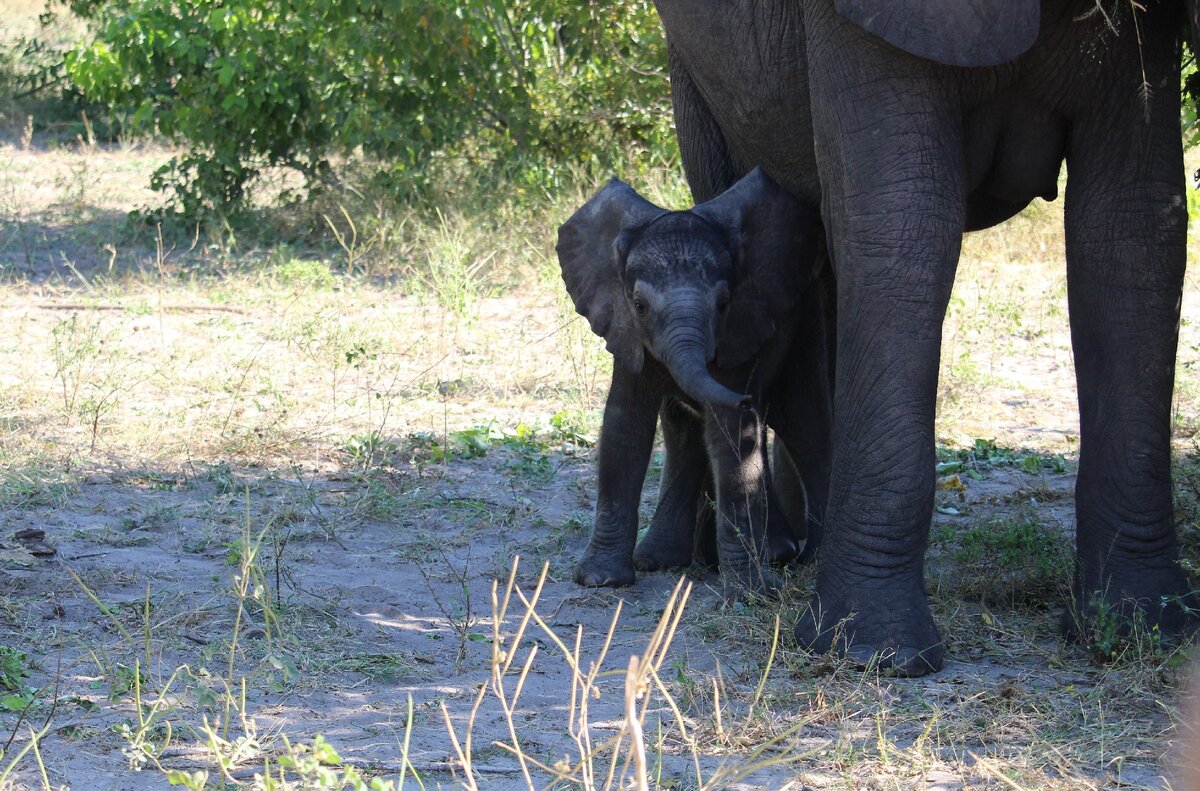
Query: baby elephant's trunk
point(687, 359)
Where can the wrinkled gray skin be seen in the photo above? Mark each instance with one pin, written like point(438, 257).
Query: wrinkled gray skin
point(697, 310)
point(942, 118)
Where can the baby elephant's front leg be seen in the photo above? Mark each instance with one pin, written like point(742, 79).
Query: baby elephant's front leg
point(737, 446)
point(626, 441)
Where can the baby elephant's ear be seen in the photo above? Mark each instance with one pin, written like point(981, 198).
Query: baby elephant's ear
point(592, 265)
point(774, 241)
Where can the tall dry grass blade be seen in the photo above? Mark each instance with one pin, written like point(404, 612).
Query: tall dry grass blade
point(573, 660)
point(637, 742)
point(594, 671)
point(464, 759)
point(509, 707)
point(664, 631)
point(992, 770)
point(762, 681)
point(11, 765)
point(529, 612)
point(37, 756)
point(681, 723)
point(726, 776)
point(502, 659)
point(405, 762)
point(469, 738)
point(720, 725)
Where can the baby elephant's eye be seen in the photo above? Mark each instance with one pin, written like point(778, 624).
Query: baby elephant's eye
point(722, 301)
point(639, 305)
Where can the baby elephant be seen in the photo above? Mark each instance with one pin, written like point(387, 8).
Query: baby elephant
point(697, 306)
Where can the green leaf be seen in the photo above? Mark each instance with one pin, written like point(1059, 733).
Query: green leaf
point(1032, 464)
point(14, 702)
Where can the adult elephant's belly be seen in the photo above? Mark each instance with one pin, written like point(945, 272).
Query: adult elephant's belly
point(1014, 151)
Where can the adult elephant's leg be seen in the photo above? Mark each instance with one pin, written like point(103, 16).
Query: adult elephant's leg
point(1126, 228)
point(736, 444)
point(706, 161)
point(671, 539)
point(626, 441)
point(888, 139)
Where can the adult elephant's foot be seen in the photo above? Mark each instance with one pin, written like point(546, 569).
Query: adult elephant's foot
point(1152, 603)
point(604, 570)
point(888, 627)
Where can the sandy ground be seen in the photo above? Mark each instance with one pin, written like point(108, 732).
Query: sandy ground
point(373, 579)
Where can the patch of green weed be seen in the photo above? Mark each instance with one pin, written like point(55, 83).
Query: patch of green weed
point(1013, 561)
point(1119, 634)
point(985, 453)
point(368, 449)
point(382, 497)
point(32, 485)
point(308, 274)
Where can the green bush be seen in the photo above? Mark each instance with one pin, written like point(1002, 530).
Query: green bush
point(35, 94)
point(247, 84)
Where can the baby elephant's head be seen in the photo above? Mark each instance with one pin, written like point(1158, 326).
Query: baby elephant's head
point(692, 287)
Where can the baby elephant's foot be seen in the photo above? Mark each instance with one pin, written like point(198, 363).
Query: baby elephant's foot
point(782, 548)
point(604, 570)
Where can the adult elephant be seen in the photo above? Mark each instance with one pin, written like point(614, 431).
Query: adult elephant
point(909, 122)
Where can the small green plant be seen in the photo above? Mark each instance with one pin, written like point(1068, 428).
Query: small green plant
point(575, 427)
point(368, 449)
point(386, 668)
point(123, 679)
point(15, 692)
point(531, 465)
point(1119, 634)
point(467, 443)
point(74, 344)
point(221, 475)
point(382, 497)
point(458, 612)
point(318, 766)
point(91, 369)
point(529, 462)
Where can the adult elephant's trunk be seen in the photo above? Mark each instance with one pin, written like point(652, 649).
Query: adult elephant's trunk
point(686, 356)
